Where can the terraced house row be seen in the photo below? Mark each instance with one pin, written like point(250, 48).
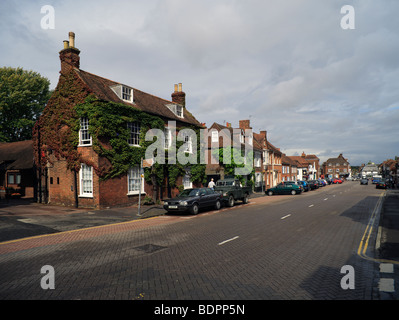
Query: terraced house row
point(90, 143)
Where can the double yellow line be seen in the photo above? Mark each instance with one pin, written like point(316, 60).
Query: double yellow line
point(361, 251)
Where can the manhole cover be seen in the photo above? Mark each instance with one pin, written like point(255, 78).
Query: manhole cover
point(150, 248)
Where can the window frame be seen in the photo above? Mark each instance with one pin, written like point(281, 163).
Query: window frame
point(84, 131)
point(135, 191)
point(134, 129)
point(82, 184)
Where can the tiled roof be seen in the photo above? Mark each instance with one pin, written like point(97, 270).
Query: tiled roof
point(17, 155)
point(146, 102)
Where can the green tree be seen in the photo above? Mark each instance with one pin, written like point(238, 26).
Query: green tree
point(23, 95)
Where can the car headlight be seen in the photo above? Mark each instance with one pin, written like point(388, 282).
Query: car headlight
point(165, 203)
point(183, 203)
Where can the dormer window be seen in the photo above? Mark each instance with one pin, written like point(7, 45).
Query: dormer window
point(127, 94)
point(176, 109)
point(123, 92)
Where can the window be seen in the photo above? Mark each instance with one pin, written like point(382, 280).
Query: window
point(188, 144)
point(215, 136)
point(84, 134)
point(176, 109)
point(134, 133)
point(179, 111)
point(133, 178)
point(187, 183)
point(86, 181)
point(14, 178)
point(168, 138)
point(127, 94)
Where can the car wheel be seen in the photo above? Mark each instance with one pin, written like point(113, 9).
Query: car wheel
point(218, 205)
point(245, 199)
point(270, 193)
point(194, 209)
point(231, 201)
point(293, 192)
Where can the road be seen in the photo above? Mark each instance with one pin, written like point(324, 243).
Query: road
point(291, 248)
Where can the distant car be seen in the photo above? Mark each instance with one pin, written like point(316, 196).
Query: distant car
point(192, 200)
point(285, 188)
point(337, 181)
point(382, 184)
point(375, 180)
point(364, 181)
point(313, 184)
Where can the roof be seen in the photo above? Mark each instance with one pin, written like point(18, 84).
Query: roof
point(17, 155)
point(146, 102)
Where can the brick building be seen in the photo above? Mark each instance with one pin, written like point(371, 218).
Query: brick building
point(92, 160)
point(336, 167)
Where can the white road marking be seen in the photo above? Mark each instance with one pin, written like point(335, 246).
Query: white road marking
point(288, 215)
point(325, 199)
point(223, 242)
point(386, 285)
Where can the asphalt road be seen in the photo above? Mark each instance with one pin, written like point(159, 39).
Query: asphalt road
point(294, 247)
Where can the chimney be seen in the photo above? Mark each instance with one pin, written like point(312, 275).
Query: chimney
point(244, 124)
point(179, 96)
point(264, 134)
point(69, 56)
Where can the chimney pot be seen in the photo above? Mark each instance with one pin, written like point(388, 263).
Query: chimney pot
point(66, 44)
point(175, 87)
point(180, 87)
point(72, 39)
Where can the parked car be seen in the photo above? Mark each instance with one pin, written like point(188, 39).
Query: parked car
point(192, 200)
point(286, 188)
point(293, 182)
point(375, 180)
point(304, 185)
point(231, 191)
point(382, 184)
point(364, 181)
point(313, 184)
point(337, 181)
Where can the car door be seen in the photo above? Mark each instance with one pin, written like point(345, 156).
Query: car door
point(280, 189)
point(203, 197)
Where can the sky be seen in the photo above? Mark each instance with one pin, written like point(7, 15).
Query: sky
point(292, 68)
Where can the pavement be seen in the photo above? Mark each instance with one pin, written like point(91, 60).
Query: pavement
point(387, 247)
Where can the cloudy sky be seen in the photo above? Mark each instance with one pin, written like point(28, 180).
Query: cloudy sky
point(287, 66)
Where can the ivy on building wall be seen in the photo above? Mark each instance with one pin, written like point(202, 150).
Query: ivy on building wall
point(57, 133)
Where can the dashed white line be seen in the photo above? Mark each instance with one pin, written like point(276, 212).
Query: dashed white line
point(325, 199)
point(288, 215)
point(312, 205)
point(223, 242)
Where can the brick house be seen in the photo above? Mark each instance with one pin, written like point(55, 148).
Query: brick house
point(289, 168)
point(17, 173)
point(336, 167)
point(91, 136)
point(221, 136)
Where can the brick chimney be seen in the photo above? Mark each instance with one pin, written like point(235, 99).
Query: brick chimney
point(179, 96)
point(264, 134)
point(69, 56)
point(244, 124)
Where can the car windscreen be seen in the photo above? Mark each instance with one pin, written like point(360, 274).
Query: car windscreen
point(224, 183)
point(189, 193)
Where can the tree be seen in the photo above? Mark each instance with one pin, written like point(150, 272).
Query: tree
point(23, 95)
